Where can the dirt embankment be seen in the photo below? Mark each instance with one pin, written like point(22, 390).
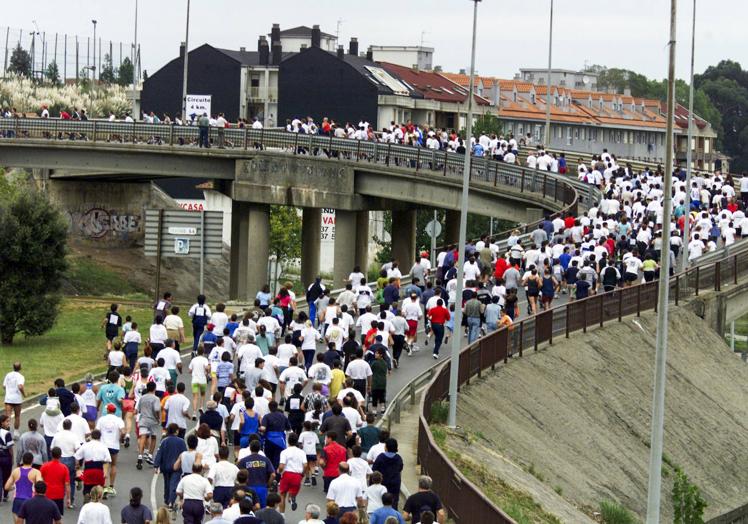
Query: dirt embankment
point(577, 415)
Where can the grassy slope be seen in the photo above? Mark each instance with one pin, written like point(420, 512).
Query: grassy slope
point(72, 348)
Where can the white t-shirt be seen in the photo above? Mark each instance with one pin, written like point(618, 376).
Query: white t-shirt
point(291, 376)
point(294, 458)
point(358, 369)
point(95, 513)
point(171, 357)
point(354, 418)
point(285, 352)
point(223, 474)
point(116, 358)
point(194, 486)
point(309, 441)
point(160, 376)
point(78, 426)
point(67, 441)
point(197, 368)
point(110, 427)
point(10, 383)
point(356, 279)
point(359, 469)
point(219, 319)
point(176, 405)
point(633, 264)
point(131, 336)
point(345, 490)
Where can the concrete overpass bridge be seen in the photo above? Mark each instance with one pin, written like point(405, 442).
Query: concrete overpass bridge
point(259, 168)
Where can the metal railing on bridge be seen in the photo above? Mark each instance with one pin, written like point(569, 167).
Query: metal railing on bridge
point(550, 187)
point(464, 500)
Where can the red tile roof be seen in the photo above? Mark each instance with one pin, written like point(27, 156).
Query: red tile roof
point(431, 85)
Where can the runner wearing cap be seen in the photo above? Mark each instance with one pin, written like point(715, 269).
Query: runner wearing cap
point(112, 428)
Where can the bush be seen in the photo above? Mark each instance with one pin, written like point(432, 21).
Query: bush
point(613, 513)
point(439, 413)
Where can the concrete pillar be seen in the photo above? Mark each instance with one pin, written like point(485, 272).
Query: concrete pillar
point(362, 240)
point(534, 214)
point(250, 246)
point(452, 227)
point(345, 246)
point(310, 242)
point(404, 238)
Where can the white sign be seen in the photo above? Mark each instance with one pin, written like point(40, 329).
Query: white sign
point(191, 205)
point(183, 231)
point(197, 105)
point(182, 246)
point(433, 228)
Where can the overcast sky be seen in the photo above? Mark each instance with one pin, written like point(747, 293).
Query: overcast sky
point(511, 35)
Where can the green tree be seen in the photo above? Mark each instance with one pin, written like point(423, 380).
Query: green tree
point(107, 75)
point(688, 503)
point(488, 125)
point(33, 237)
point(52, 73)
point(20, 62)
point(125, 72)
point(285, 233)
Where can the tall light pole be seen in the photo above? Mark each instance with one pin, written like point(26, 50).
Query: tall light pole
point(687, 223)
point(547, 136)
point(658, 397)
point(93, 68)
point(186, 56)
point(134, 68)
point(457, 339)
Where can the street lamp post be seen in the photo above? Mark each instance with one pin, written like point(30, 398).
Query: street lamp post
point(457, 339)
point(689, 153)
point(134, 68)
point(547, 136)
point(93, 68)
point(186, 57)
point(658, 396)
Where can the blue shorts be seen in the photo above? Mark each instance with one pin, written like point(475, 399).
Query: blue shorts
point(17, 503)
point(311, 458)
point(90, 413)
point(113, 452)
point(262, 494)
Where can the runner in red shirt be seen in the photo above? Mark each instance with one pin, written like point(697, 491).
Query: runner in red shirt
point(330, 456)
point(57, 477)
point(438, 316)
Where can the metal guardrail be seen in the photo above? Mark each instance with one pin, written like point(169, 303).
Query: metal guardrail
point(465, 501)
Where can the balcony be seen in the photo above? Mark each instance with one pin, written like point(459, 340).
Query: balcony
point(262, 94)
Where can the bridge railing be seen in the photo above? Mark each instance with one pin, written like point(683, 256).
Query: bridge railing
point(552, 187)
point(463, 499)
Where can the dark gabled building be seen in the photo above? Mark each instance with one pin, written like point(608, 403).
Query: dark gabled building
point(343, 86)
point(212, 71)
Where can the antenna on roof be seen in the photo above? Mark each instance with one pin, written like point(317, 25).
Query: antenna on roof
point(423, 40)
point(337, 30)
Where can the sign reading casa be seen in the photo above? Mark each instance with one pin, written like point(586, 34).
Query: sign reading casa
point(197, 105)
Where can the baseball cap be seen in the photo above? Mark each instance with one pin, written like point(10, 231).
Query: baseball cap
point(111, 408)
point(210, 326)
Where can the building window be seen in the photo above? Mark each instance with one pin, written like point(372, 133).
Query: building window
point(559, 132)
point(537, 133)
point(707, 146)
point(576, 133)
point(568, 135)
point(532, 98)
point(514, 96)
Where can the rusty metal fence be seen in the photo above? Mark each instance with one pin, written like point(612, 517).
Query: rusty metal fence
point(463, 499)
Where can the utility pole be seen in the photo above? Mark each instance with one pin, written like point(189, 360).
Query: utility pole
point(454, 371)
point(93, 71)
point(547, 137)
point(186, 60)
point(689, 153)
point(134, 70)
point(7, 41)
point(658, 397)
point(65, 60)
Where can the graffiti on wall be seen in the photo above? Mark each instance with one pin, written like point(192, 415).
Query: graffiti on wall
point(97, 223)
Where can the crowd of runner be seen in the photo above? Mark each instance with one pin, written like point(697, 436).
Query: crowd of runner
point(272, 414)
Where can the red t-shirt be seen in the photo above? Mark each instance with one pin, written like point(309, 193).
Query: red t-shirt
point(334, 455)
point(55, 474)
point(438, 314)
point(501, 266)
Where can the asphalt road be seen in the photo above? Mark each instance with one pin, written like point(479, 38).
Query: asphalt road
point(128, 476)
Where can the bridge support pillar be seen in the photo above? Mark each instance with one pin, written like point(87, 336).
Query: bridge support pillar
point(310, 243)
point(362, 240)
point(452, 227)
point(404, 238)
point(250, 247)
point(345, 246)
point(534, 214)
